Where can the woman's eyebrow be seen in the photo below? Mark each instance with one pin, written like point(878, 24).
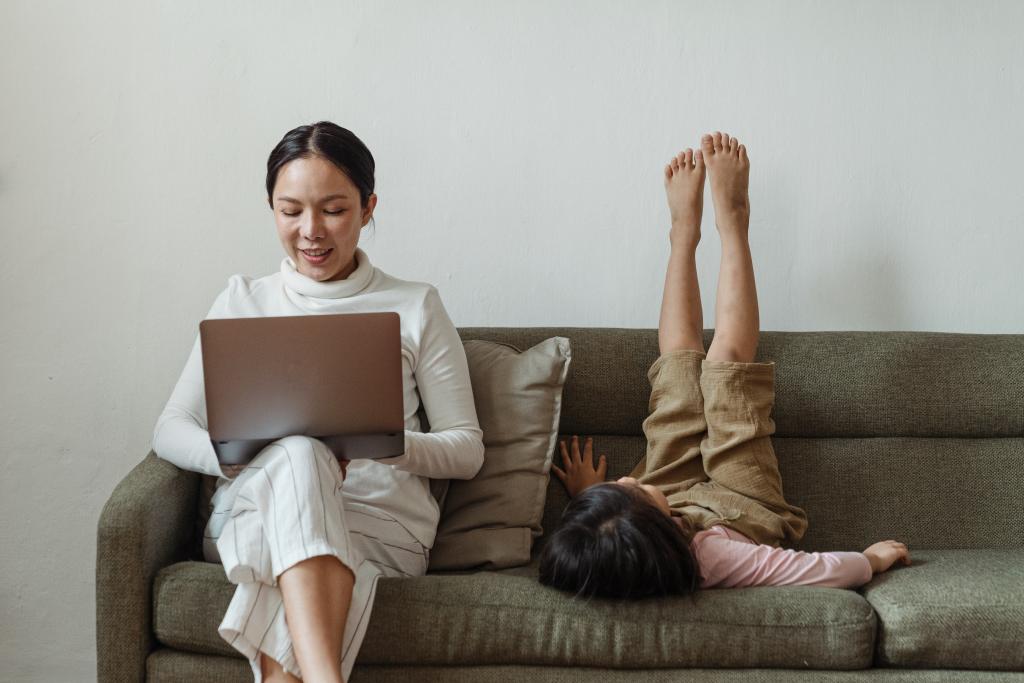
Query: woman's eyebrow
point(325, 199)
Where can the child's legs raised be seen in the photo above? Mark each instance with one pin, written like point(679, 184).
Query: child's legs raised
point(737, 451)
point(676, 425)
point(737, 323)
point(745, 486)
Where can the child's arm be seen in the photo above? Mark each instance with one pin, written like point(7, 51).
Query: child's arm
point(730, 560)
point(579, 472)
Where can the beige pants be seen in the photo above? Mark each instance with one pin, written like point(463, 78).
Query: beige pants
point(709, 448)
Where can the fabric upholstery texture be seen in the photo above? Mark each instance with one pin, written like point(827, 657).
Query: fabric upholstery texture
point(500, 618)
point(490, 521)
point(952, 609)
point(145, 525)
point(914, 436)
point(166, 666)
point(827, 384)
point(173, 665)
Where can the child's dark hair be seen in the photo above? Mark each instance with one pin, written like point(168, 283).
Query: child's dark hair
point(338, 145)
point(614, 542)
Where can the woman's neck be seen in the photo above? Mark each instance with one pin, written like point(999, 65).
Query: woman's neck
point(355, 281)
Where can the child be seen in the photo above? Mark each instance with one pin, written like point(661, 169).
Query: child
point(704, 508)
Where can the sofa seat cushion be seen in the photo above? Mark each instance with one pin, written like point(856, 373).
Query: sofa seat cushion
point(955, 609)
point(506, 617)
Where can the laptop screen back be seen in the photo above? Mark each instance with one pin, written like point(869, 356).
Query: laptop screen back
point(315, 375)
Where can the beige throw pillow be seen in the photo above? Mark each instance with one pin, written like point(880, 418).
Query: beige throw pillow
point(490, 521)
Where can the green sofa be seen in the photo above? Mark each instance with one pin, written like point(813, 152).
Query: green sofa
point(913, 436)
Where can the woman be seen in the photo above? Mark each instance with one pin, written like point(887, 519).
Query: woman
point(705, 507)
point(302, 535)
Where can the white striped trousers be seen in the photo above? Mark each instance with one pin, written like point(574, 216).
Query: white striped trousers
point(285, 507)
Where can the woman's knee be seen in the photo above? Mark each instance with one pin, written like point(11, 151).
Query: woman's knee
point(305, 447)
point(300, 452)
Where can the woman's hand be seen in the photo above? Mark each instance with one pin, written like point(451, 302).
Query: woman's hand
point(579, 472)
point(885, 554)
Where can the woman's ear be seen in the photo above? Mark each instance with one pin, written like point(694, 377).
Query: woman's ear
point(371, 204)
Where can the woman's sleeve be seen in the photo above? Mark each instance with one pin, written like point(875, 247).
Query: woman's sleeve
point(181, 435)
point(454, 447)
point(728, 563)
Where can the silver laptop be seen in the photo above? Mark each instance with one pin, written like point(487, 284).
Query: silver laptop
point(334, 377)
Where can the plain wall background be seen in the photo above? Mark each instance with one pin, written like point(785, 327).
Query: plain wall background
point(519, 149)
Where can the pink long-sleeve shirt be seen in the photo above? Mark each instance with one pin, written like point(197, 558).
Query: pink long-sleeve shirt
point(728, 559)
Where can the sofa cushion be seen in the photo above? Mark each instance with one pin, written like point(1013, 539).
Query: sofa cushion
point(490, 521)
point(506, 617)
point(956, 609)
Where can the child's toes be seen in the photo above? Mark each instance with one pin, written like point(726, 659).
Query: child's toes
point(718, 141)
point(698, 160)
point(707, 145)
point(743, 154)
point(668, 171)
point(688, 159)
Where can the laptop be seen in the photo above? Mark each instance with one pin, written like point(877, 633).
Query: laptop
point(337, 378)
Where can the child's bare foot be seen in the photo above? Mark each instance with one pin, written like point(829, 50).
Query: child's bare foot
point(684, 186)
point(729, 167)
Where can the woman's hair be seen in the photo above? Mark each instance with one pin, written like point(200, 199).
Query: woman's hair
point(615, 542)
point(338, 145)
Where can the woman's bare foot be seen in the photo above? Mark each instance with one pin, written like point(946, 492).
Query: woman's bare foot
point(684, 186)
point(729, 168)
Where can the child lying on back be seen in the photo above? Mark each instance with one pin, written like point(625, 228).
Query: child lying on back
point(704, 508)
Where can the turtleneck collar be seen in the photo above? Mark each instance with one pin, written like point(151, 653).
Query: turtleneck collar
point(356, 282)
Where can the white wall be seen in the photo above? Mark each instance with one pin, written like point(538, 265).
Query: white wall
point(519, 148)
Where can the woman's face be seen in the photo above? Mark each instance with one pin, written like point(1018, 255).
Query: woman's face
point(319, 217)
point(653, 492)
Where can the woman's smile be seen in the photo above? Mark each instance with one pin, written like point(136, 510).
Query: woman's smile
point(316, 256)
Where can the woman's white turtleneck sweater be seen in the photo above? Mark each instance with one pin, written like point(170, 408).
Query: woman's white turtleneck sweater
point(434, 369)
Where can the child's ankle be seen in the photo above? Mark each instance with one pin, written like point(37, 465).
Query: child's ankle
point(733, 230)
point(684, 236)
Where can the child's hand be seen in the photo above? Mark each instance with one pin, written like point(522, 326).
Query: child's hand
point(885, 554)
point(579, 472)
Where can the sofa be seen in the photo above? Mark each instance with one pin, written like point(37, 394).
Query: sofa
point(914, 436)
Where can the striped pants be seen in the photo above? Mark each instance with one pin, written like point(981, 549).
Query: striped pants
point(287, 506)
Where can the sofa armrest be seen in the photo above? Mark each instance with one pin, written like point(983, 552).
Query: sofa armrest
point(147, 524)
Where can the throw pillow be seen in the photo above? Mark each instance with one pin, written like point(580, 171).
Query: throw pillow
point(490, 521)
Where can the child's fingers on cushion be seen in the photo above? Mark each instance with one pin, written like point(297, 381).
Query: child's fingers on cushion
point(566, 460)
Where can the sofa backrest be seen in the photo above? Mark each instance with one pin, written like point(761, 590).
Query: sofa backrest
point(917, 436)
